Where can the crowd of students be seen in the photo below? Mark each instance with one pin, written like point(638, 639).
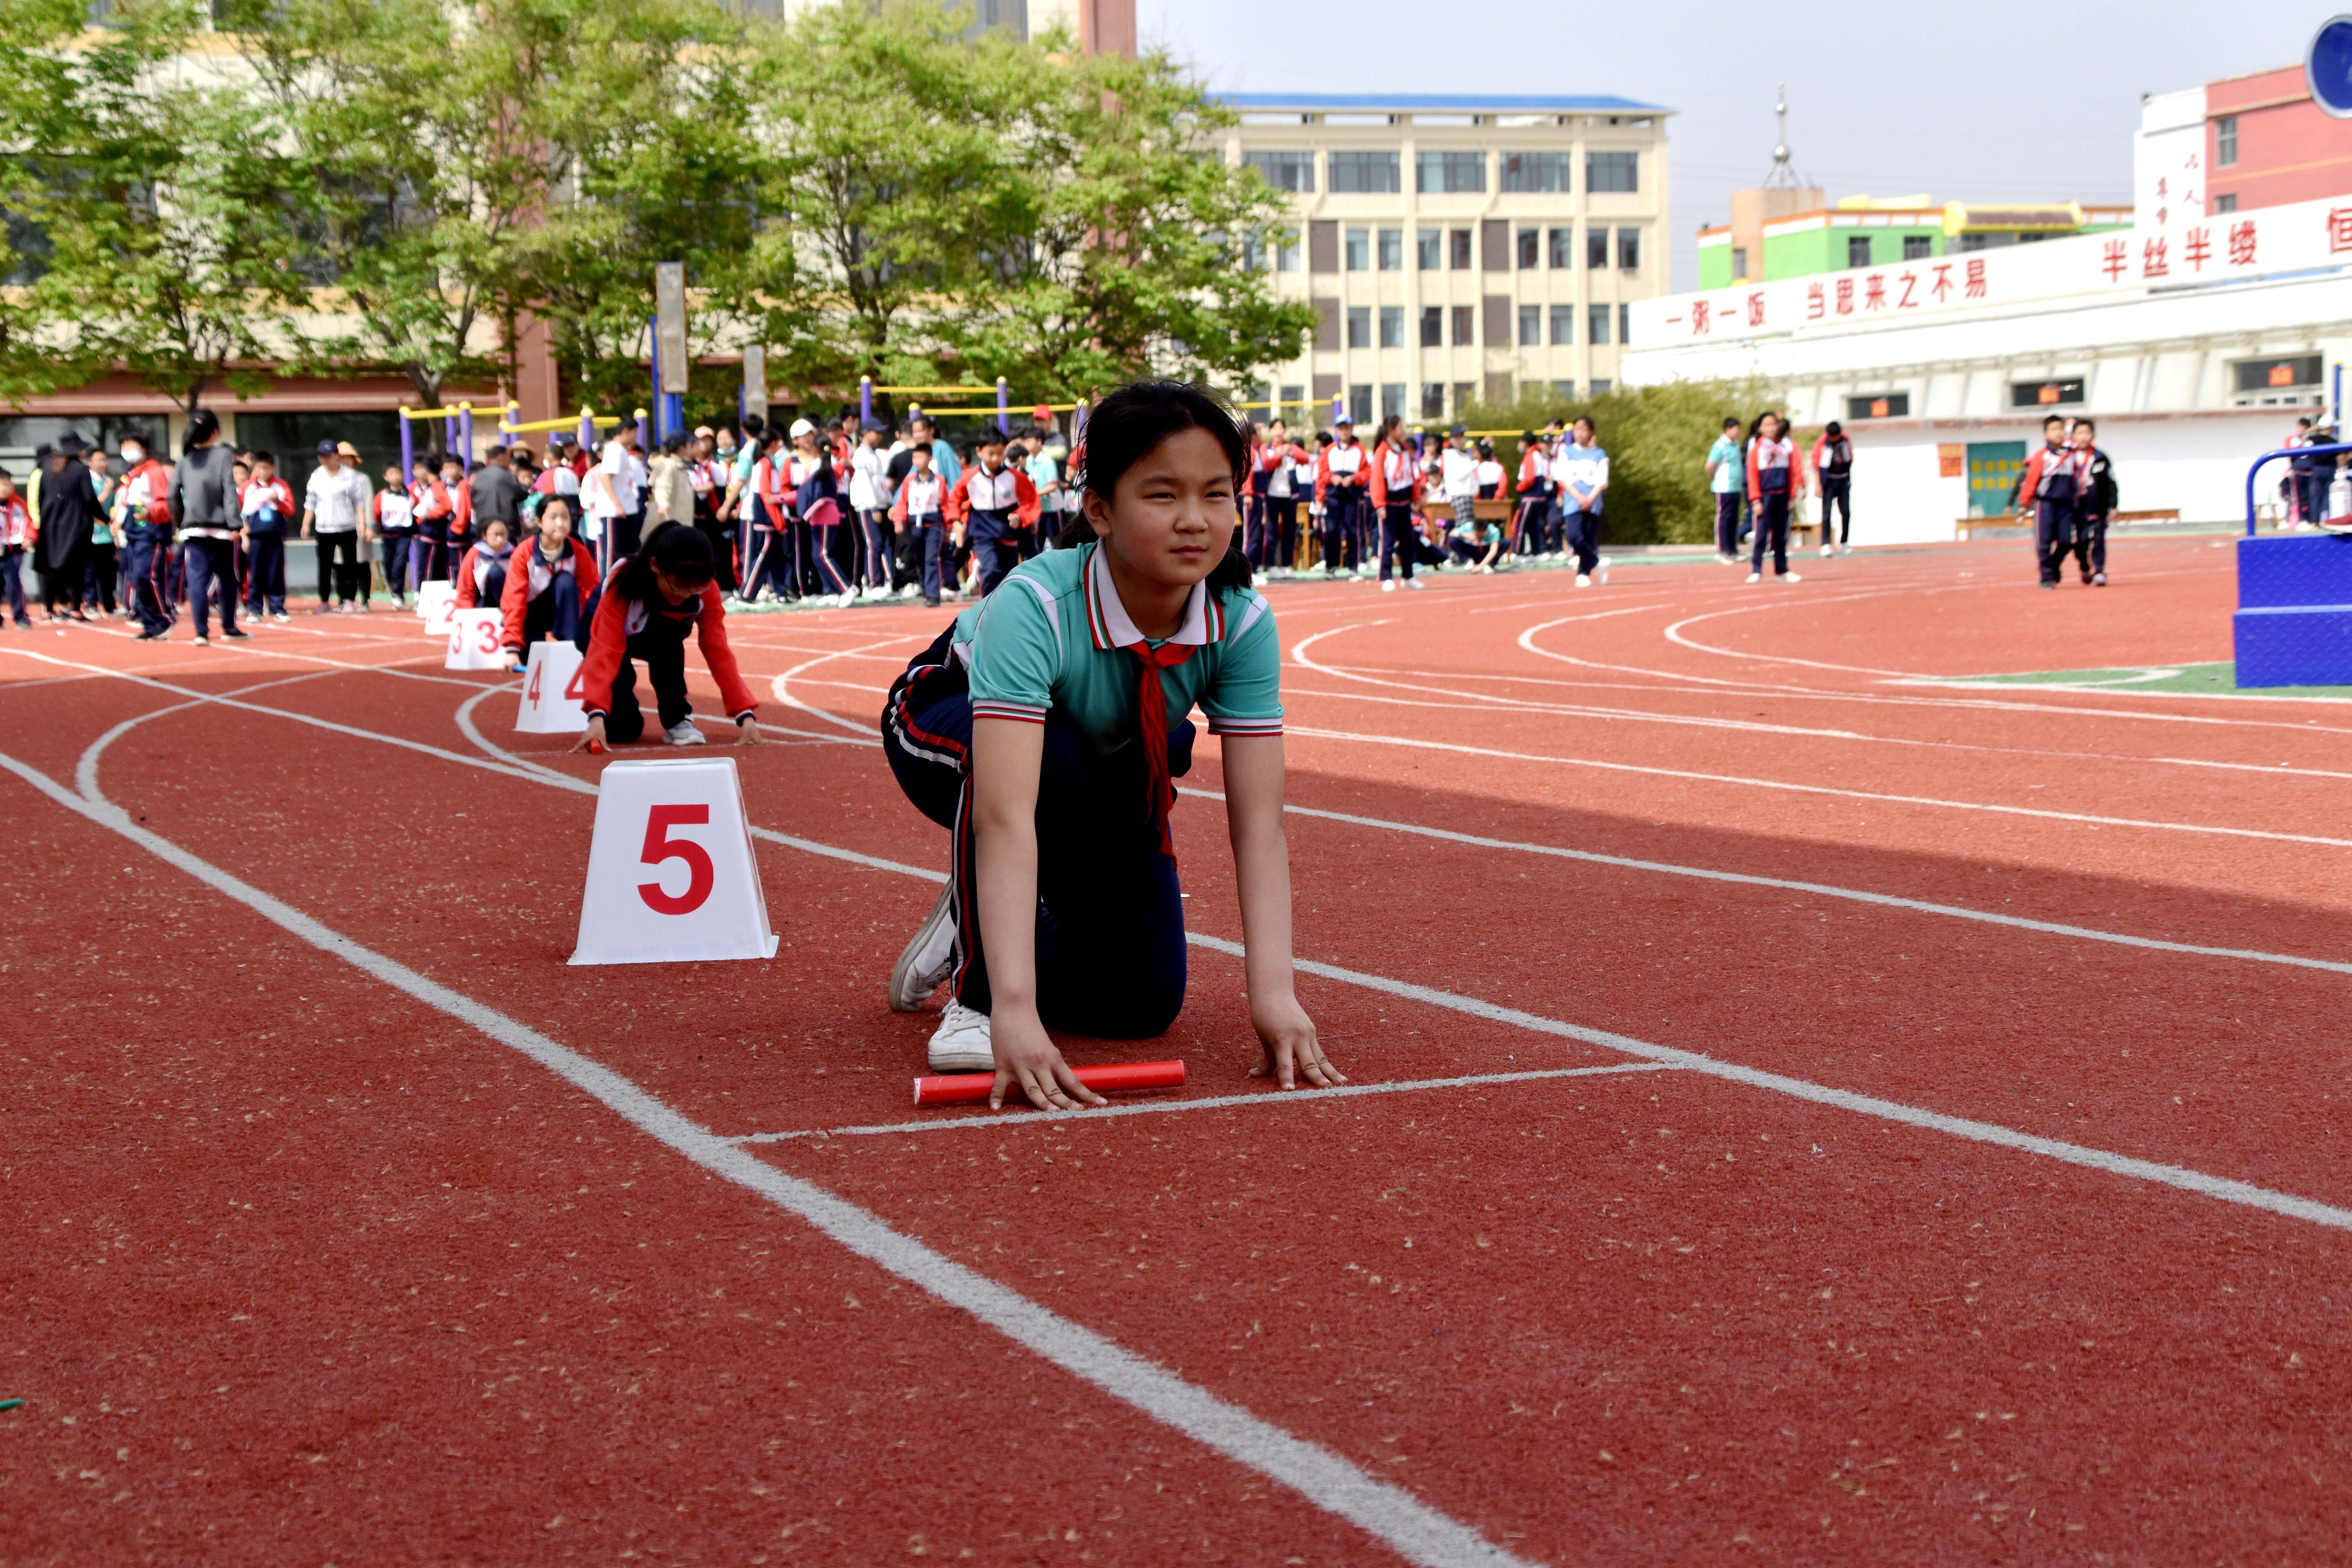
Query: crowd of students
point(2066, 494)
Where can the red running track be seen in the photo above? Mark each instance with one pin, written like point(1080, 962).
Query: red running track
point(1938, 1154)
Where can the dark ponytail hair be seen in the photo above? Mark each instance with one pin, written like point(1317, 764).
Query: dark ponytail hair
point(679, 550)
point(1129, 425)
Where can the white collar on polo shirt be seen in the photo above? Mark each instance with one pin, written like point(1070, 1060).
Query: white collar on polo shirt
point(1112, 626)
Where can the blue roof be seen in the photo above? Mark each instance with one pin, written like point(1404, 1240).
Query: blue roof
point(1438, 102)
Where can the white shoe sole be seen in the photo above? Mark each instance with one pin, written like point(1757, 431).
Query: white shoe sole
point(961, 1060)
point(921, 966)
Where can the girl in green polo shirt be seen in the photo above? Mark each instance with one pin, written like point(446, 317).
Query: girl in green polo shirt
point(1042, 729)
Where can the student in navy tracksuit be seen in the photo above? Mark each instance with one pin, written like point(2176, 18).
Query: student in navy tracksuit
point(920, 508)
point(2048, 491)
point(266, 506)
point(997, 504)
point(1775, 480)
point(2098, 503)
point(1342, 475)
point(550, 582)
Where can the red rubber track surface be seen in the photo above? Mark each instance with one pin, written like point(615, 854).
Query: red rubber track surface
point(302, 1270)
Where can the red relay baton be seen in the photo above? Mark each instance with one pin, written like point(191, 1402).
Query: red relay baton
point(970, 1088)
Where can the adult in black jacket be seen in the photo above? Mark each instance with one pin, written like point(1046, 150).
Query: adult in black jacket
point(2097, 504)
point(68, 515)
point(204, 506)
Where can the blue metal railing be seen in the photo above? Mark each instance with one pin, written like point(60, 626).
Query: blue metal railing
point(2268, 457)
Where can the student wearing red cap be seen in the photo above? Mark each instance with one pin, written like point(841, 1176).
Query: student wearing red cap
point(1043, 729)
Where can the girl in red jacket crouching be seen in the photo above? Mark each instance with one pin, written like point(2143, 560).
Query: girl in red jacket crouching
point(643, 613)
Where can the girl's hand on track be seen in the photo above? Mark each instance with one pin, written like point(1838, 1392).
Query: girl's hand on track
point(1027, 1060)
point(747, 733)
point(592, 735)
point(1292, 1050)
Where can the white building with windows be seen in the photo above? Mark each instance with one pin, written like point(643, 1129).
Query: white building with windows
point(2195, 338)
point(1456, 246)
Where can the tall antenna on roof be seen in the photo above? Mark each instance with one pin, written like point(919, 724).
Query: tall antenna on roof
point(1784, 176)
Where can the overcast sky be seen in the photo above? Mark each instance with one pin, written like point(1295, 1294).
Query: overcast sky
point(1985, 101)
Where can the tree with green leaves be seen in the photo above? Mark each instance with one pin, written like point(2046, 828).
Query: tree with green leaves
point(156, 194)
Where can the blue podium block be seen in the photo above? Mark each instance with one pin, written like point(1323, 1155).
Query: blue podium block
point(2293, 625)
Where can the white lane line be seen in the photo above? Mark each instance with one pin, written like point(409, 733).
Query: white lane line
point(1822, 889)
point(1989, 705)
point(1000, 1119)
point(86, 771)
point(2219, 1187)
point(1387, 1512)
point(2198, 1182)
point(1673, 633)
point(1746, 782)
point(783, 687)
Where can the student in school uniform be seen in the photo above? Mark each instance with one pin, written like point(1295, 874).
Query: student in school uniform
point(1342, 480)
point(142, 517)
point(1490, 472)
point(2049, 492)
point(1395, 491)
point(1727, 473)
point(816, 509)
point(482, 572)
point(1774, 482)
point(16, 536)
point(659, 594)
point(265, 507)
point(1280, 474)
point(767, 509)
point(995, 503)
point(2098, 503)
point(1043, 729)
point(919, 511)
point(1477, 544)
point(870, 498)
point(394, 509)
point(1581, 473)
point(547, 589)
point(460, 527)
point(1534, 491)
point(1834, 472)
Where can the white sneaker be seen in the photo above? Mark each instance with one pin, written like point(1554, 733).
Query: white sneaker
point(847, 597)
point(961, 1043)
point(1828, 551)
point(202, 641)
point(1416, 583)
point(910, 591)
point(1389, 587)
point(1756, 576)
point(1601, 570)
point(1582, 580)
point(1791, 578)
point(685, 734)
point(929, 958)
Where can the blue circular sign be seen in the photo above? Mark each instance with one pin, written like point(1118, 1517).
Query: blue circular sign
point(2328, 67)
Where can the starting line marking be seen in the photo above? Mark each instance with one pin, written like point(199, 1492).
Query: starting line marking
point(1416, 1531)
point(1214, 1102)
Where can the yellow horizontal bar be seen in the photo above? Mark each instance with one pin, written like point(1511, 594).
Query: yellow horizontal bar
point(942, 391)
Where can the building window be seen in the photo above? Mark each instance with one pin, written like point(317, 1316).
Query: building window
point(1596, 325)
point(1391, 250)
point(1879, 405)
point(1432, 326)
point(1458, 249)
point(1253, 253)
point(1625, 325)
point(1565, 388)
point(1292, 398)
point(2227, 203)
point(1530, 326)
point(1535, 171)
point(1596, 248)
point(1612, 171)
point(1283, 171)
point(1393, 326)
point(2225, 141)
point(1563, 246)
point(1432, 400)
point(1738, 262)
point(1364, 173)
point(1359, 402)
point(1431, 244)
point(1286, 251)
point(1857, 250)
point(1463, 393)
point(2045, 393)
point(1628, 250)
point(1600, 385)
point(1460, 172)
point(1563, 325)
point(1360, 326)
point(2294, 373)
point(1531, 246)
point(1917, 248)
point(1465, 328)
point(1360, 251)
point(1391, 398)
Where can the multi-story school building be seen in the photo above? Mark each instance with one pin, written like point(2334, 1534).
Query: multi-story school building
point(2195, 337)
point(1865, 231)
point(1453, 246)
